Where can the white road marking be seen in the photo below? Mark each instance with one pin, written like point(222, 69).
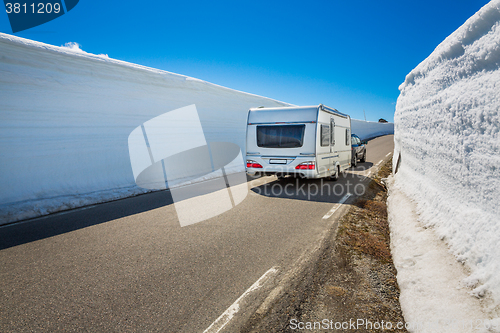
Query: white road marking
point(388, 154)
point(226, 317)
point(336, 206)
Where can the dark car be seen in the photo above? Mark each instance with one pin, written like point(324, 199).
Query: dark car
point(358, 149)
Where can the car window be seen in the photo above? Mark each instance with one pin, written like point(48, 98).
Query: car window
point(353, 141)
point(358, 141)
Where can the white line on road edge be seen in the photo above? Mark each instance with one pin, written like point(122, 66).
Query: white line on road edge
point(226, 317)
point(336, 206)
point(389, 153)
point(372, 169)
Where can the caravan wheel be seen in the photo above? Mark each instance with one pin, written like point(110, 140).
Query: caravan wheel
point(336, 175)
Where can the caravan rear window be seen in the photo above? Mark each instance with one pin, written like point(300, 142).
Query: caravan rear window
point(280, 136)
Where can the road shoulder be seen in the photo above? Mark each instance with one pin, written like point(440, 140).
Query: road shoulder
point(352, 285)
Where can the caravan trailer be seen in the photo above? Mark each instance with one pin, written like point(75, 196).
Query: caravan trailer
point(308, 141)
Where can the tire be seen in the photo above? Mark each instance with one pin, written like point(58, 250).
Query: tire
point(354, 162)
point(363, 160)
point(336, 176)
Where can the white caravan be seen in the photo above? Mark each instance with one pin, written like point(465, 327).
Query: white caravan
point(307, 141)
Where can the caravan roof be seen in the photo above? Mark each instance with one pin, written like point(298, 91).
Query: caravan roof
point(294, 114)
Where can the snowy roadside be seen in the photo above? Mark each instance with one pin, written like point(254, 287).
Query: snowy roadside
point(444, 212)
point(434, 297)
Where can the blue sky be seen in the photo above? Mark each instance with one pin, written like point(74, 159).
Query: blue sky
point(350, 55)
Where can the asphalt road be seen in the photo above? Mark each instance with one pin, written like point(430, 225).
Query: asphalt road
point(129, 266)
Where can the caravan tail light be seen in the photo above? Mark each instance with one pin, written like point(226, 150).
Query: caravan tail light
point(253, 164)
point(306, 166)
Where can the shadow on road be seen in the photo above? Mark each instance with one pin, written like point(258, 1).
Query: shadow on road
point(361, 167)
point(60, 223)
point(317, 190)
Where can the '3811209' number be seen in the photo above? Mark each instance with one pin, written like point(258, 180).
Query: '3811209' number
point(40, 8)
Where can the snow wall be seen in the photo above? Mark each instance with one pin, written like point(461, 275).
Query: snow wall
point(447, 125)
point(367, 130)
point(65, 118)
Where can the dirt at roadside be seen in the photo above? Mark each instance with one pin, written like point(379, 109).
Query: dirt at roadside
point(352, 286)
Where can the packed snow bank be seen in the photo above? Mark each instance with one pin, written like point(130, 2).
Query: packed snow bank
point(447, 125)
point(65, 118)
point(429, 277)
point(367, 130)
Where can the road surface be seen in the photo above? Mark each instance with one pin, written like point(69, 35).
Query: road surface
point(129, 266)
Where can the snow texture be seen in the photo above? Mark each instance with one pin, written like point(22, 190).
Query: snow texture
point(65, 118)
point(433, 297)
point(447, 125)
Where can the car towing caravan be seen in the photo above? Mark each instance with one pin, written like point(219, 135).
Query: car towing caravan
point(308, 141)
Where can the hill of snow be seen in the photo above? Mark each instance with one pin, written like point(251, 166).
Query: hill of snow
point(367, 130)
point(447, 134)
point(65, 118)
